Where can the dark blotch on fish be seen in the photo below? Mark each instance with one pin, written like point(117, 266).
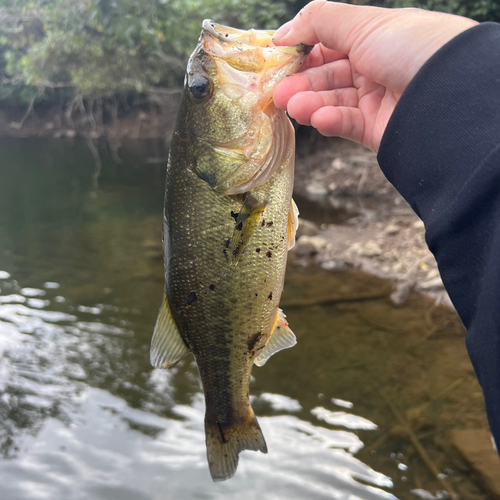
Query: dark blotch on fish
point(221, 432)
point(270, 296)
point(235, 215)
point(269, 224)
point(209, 178)
point(252, 341)
point(191, 298)
point(257, 250)
point(269, 254)
point(263, 223)
point(239, 227)
point(212, 287)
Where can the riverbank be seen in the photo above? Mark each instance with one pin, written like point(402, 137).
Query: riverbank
point(357, 219)
point(151, 116)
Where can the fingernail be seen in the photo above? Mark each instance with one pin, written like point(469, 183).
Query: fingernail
point(284, 30)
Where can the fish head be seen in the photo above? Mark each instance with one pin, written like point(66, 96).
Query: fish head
point(236, 136)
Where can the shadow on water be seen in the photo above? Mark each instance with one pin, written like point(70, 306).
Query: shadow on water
point(83, 415)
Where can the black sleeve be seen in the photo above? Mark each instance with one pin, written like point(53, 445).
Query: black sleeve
point(441, 150)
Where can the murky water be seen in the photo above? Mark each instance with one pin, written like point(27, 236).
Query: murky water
point(84, 416)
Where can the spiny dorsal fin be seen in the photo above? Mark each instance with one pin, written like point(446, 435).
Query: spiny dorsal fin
point(167, 346)
point(245, 225)
point(281, 338)
point(293, 224)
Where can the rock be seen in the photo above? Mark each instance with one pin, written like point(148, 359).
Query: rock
point(334, 265)
point(418, 224)
point(339, 164)
point(316, 189)
point(306, 228)
point(391, 229)
point(371, 249)
point(309, 245)
point(476, 446)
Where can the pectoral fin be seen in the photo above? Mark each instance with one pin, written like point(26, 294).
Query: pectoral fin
point(167, 346)
point(245, 225)
point(281, 338)
point(293, 224)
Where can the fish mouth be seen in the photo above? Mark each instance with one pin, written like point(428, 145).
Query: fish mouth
point(251, 50)
point(255, 38)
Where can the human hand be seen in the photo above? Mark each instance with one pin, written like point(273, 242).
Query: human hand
point(363, 60)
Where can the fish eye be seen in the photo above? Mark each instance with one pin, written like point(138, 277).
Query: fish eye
point(200, 88)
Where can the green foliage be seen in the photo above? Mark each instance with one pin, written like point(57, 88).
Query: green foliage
point(102, 47)
point(98, 48)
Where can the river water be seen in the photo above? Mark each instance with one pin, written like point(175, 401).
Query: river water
point(84, 416)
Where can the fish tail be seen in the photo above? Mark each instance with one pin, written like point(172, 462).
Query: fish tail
point(224, 444)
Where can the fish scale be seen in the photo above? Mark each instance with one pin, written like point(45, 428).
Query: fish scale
point(225, 246)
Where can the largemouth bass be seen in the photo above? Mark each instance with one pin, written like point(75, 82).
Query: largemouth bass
point(229, 221)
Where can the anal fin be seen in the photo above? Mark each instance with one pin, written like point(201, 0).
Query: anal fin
point(245, 225)
point(281, 338)
point(167, 345)
point(293, 224)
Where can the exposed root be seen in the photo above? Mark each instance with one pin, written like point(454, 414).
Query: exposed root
point(97, 163)
point(18, 125)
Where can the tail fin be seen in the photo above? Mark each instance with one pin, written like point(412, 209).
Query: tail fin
point(224, 444)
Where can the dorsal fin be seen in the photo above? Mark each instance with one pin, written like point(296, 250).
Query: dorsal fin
point(167, 346)
point(281, 338)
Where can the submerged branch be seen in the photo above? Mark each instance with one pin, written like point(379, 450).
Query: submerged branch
point(333, 299)
point(418, 446)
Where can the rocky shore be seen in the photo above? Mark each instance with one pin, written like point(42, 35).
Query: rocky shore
point(354, 218)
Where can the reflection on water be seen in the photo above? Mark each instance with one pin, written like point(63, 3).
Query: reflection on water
point(63, 434)
point(83, 415)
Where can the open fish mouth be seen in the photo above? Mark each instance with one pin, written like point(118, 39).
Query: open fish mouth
point(255, 38)
point(251, 50)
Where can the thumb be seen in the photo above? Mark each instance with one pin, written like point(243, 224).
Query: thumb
point(332, 24)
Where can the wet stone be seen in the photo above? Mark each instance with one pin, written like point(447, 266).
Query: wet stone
point(316, 190)
point(307, 228)
point(391, 229)
point(309, 245)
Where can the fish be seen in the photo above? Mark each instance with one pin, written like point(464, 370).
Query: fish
point(229, 221)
